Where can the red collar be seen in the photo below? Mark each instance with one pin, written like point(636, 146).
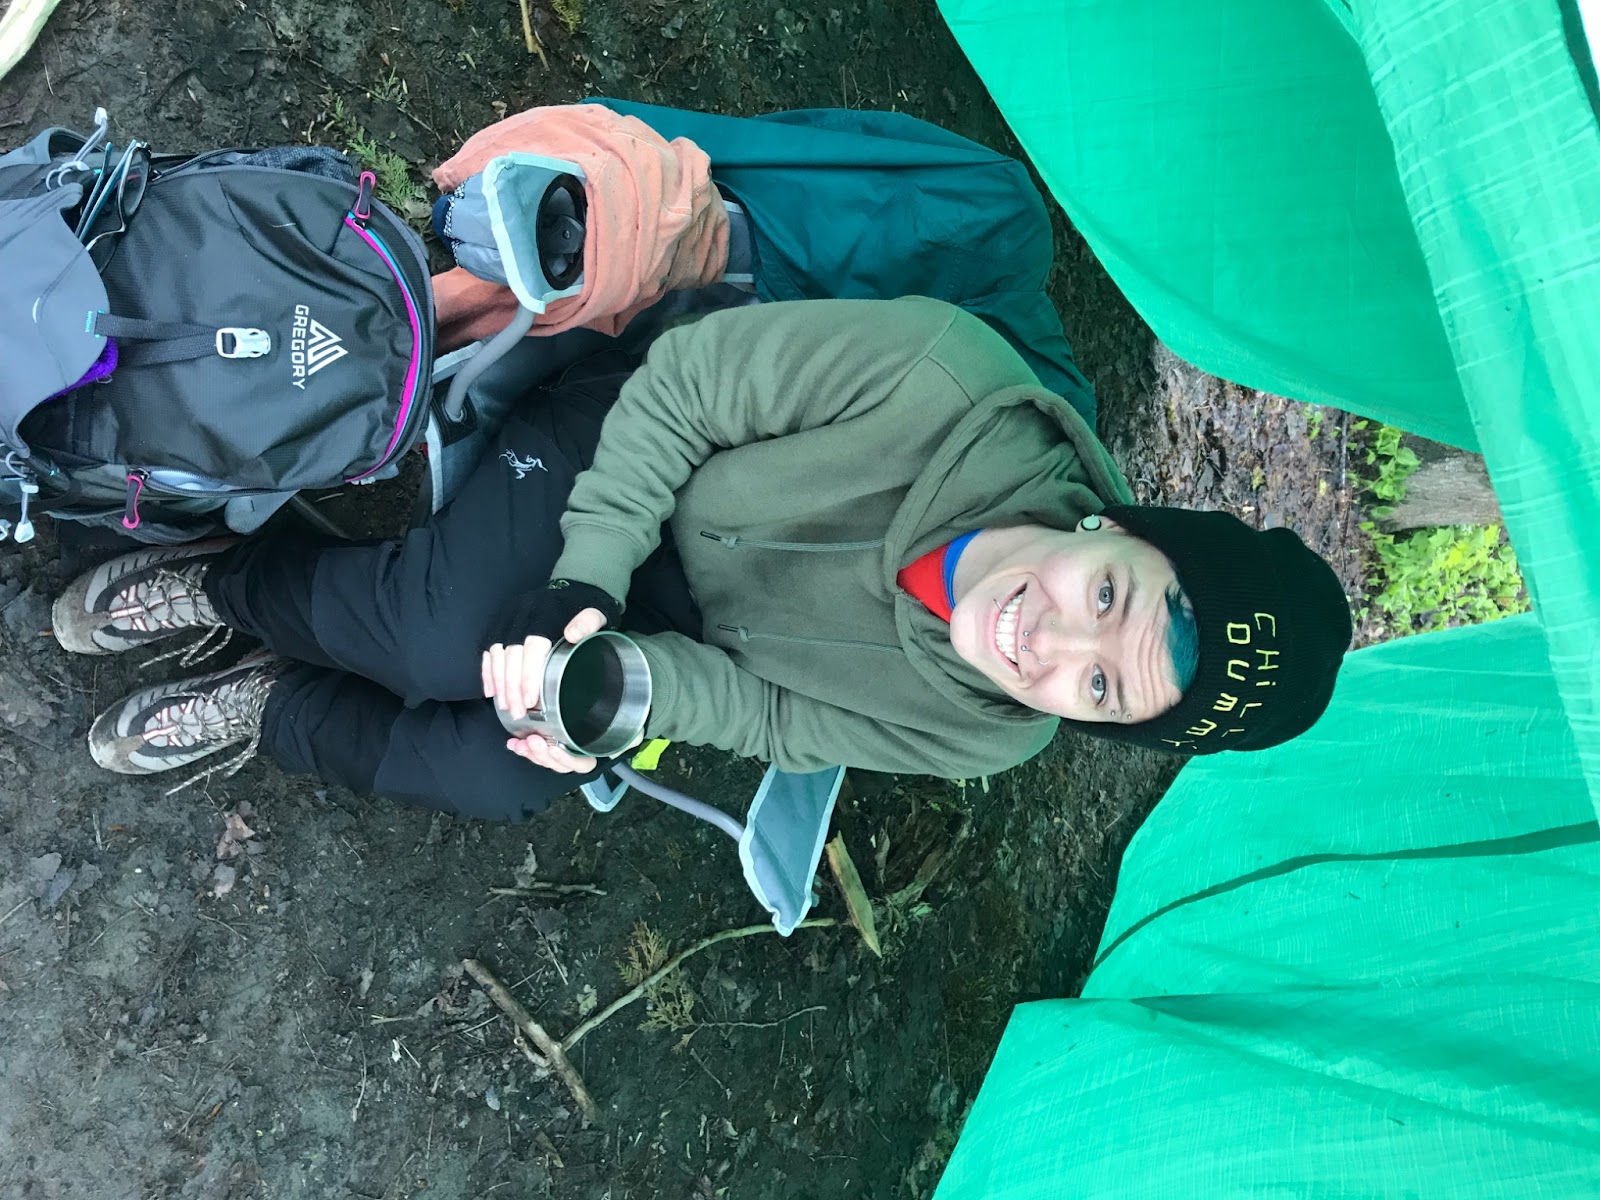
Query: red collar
point(924, 579)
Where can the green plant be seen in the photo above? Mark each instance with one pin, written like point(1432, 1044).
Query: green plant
point(391, 89)
point(1432, 578)
point(669, 1004)
point(1313, 422)
point(395, 187)
point(1449, 575)
point(570, 12)
point(1395, 464)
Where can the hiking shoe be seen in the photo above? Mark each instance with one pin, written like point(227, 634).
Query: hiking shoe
point(171, 725)
point(138, 598)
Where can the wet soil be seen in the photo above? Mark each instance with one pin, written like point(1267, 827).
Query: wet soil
point(307, 1032)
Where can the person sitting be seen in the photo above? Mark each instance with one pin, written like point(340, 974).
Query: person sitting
point(850, 532)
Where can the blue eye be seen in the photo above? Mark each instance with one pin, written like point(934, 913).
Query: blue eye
point(1097, 686)
point(1106, 596)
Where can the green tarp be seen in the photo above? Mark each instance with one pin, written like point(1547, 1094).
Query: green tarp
point(1364, 964)
point(1228, 164)
point(1368, 967)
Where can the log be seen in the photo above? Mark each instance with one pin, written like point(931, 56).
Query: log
point(1449, 487)
point(19, 27)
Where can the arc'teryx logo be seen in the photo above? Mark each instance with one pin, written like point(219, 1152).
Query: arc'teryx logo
point(312, 346)
point(521, 466)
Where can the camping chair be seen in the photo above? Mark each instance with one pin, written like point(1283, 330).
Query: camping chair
point(781, 838)
point(780, 842)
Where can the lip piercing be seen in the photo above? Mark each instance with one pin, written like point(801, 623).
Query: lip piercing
point(1090, 523)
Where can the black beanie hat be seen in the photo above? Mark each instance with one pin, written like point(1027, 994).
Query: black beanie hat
point(1273, 627)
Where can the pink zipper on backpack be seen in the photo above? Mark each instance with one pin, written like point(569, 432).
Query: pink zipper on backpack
point(356, 219)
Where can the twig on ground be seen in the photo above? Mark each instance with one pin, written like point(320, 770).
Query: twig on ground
point(14, 911)
point(540, 888)
point(857, 903)
point(535, 46)
point(550, 949)
point(553, 1052)
point(726, 1090)
point(761, 1024)
point(355, 1112)
point(671, 965)
point(224, 924)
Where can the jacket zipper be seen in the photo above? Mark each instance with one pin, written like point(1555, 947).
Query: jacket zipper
point(744, 635)
point(734, 542)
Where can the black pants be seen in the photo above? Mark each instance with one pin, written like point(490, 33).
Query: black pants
point(387, 697)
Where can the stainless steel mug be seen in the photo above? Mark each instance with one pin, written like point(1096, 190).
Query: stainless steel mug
point(594, 698)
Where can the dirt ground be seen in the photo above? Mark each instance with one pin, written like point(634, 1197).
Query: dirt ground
point(307, 1032)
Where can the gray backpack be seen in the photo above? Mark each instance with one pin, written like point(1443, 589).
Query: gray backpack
point(182, 335)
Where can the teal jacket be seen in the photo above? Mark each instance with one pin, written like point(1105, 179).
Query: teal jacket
point(803, 454)
point(859, 205)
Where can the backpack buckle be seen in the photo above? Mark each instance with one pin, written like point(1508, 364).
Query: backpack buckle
point(234, 342)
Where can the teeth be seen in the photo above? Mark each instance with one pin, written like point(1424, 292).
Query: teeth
point(1005, 632)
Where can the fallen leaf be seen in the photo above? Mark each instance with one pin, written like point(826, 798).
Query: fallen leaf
point(223, 879)
point(57, 888)
point(528, 873)
point(588, 1000)
point(234, 836)
point(542, 1140)
point(855, 896)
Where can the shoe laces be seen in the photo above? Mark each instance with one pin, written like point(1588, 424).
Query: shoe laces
point(221, 716)
point(172, 598)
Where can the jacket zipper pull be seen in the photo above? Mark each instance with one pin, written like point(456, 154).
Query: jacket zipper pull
point(362, 212)
point(130, 506)
point(27, 488)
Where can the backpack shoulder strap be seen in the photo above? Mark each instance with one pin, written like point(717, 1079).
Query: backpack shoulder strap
point(176, 341)
point(46, 343)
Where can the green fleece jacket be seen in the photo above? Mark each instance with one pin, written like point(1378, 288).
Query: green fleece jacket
point(803, 454)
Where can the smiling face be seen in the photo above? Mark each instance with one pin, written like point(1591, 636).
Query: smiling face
point(1073, 624)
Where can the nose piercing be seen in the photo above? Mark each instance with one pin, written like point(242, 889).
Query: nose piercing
point(1026, 634)
point(1090, 523)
